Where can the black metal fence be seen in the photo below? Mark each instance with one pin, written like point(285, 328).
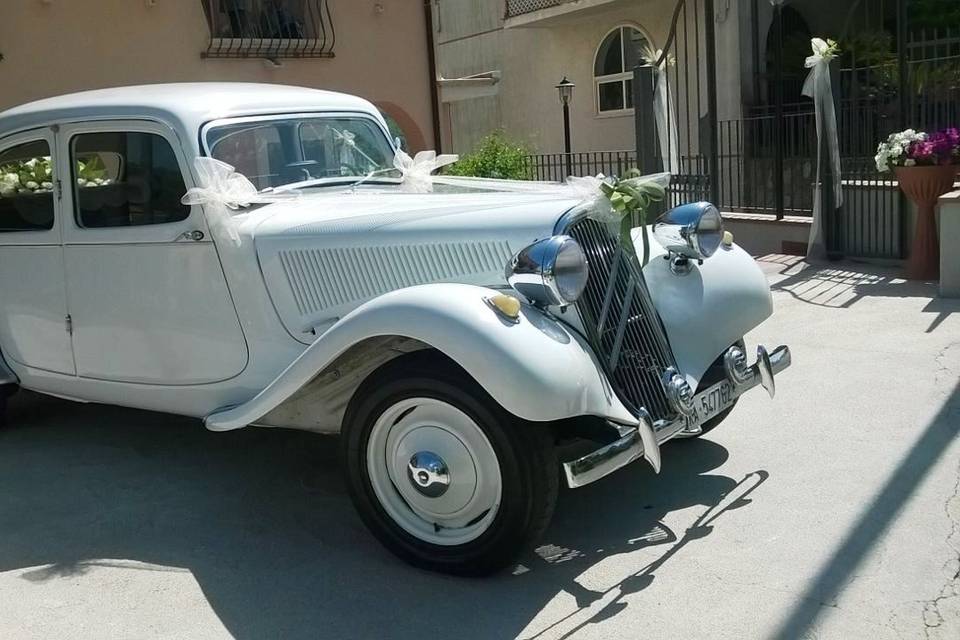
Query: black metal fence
point(766, 161)
point(553, 166)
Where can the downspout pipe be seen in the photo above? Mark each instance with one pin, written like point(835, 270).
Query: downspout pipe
point(432, 64)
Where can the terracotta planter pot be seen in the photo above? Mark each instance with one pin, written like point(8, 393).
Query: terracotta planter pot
point(924, 185)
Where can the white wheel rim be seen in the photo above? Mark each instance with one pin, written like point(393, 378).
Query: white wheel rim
point(418, 499)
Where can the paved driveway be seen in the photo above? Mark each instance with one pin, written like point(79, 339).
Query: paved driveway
point(832, 512)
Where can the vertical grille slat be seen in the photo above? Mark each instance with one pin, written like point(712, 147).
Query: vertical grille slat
point(622, 322)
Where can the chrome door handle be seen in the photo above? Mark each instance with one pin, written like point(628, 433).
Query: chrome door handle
point(195, 236)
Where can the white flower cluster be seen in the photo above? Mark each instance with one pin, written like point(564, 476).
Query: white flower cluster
point(95, 182)
point(10, 184)
point(36, 176)
point(892, 153)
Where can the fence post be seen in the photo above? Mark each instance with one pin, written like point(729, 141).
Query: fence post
point(643, 122)
point(713, 160)
point(778, 189)
point(904, 116)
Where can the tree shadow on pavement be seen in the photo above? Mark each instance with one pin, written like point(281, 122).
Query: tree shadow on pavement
point(842, 285)
point(262, 520)
point(877, 517)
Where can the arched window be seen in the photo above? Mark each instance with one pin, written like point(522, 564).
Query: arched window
point(613, 68)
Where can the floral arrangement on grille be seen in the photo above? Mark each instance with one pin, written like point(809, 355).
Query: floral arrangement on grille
point(36, 175)
point(912, 148)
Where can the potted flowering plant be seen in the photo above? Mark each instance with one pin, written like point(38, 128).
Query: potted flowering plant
point(926, 168)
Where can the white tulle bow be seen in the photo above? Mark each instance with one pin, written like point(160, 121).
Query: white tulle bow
point(223, 190)
point(818, 87)
point(588, 189)
point(416, 171)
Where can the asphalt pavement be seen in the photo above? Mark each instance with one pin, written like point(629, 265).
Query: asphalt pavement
point(830, 512)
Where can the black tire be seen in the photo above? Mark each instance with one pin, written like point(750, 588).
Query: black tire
point(5, 392)
point(715, 374)
point(525, 456)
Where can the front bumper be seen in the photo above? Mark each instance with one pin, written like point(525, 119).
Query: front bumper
point(644, 440)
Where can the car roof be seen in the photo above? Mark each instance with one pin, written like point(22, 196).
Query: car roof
point(184, 106)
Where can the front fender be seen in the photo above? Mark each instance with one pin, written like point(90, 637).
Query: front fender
point(710, 308)
point(537, 369)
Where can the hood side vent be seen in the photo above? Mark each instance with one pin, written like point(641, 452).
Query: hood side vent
point(321, 279)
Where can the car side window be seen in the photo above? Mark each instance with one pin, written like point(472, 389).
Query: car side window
point(26, 187)
point(126, 179)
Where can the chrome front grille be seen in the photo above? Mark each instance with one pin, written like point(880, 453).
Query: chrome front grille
point(622, 322)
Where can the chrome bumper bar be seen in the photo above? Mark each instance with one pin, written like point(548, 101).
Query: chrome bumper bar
point(643, 440)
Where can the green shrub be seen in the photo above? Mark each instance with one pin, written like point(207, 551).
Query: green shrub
point(495, 157)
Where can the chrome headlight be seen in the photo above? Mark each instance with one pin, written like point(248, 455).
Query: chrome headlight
point(550, 272)
point(693, 230)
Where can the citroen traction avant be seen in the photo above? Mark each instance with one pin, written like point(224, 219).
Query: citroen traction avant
point(452, 338)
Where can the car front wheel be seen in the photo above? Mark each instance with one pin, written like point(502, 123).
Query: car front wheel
point(440, 473)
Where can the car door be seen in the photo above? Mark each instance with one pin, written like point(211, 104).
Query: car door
point(146, 292)
point(34, 326)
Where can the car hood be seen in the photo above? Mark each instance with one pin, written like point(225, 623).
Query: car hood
point(322, 255)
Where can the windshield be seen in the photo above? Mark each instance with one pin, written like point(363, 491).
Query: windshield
point(272, 153)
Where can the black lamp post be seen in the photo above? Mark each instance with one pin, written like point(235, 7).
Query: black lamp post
point(565, 89)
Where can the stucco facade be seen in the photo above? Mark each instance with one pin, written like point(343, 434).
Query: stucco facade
point(532, 52)
point(52, 47)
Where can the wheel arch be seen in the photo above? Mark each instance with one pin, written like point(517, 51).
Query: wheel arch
point(537, 369)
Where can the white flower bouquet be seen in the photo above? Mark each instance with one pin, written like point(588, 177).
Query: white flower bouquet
point(36, 176)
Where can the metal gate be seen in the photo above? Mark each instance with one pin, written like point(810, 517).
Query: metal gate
point(900, 68)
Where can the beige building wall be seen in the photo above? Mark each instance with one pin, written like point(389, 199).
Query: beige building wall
point(473, 37)
point(52, 47)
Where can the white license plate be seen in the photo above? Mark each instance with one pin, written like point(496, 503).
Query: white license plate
point(713, 400)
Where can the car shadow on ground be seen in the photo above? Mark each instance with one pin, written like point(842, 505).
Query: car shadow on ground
point(262, 520)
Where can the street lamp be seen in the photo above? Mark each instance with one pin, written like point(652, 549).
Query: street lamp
point(565, 89)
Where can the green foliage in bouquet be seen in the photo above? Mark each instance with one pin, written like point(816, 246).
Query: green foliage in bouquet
point(631, 197)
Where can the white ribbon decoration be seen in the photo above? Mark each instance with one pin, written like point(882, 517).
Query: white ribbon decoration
point(818, 87)
point(664, 111)
point(415, 172)
point(587, 189)
point(223, 190)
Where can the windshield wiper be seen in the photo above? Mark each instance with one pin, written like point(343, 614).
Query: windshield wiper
point(332, 180)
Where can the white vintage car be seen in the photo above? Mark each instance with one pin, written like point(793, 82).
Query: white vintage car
point(453, 338)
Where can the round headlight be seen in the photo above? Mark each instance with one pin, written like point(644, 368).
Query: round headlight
point(549, 272)
point(693, 230)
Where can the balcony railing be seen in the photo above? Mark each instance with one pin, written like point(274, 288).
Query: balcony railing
point(519, 7)
point(271, 29)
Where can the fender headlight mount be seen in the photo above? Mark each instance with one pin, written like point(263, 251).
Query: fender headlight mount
point(550, 272)
point(691, 231)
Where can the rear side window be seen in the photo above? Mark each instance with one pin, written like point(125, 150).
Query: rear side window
point(26, 187)
point(126, 179)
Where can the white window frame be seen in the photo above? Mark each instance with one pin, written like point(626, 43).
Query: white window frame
point(37, 236)
point(621, 77)
point(167, 232)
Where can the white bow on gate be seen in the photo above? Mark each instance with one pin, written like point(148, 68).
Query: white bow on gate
point(416, 171)
point(222, 190)
point(818, 87)
point(665, 112)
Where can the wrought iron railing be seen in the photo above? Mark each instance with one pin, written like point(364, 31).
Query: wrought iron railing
point(270, 29)
point(553, 166)
point(520, 7)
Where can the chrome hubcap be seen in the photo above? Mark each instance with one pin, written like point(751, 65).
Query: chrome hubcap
point(434, 471)
point(428, 474)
